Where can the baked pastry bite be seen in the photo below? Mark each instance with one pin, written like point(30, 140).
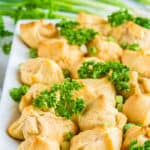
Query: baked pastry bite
point(137, 106)
point(136, 134)
point(95, 88)
point(137, 61)
point(99, 138)
point(100, 112)
point(105, 50)
point(31, 94)
point(95, 22)
point(40, 70)
point(130, 33)
point(67, 56)
point(35, 122)
point(39, 143)
point(34, 32)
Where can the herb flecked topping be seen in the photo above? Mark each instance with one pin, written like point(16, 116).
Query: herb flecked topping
point(134, 145)
point(132, 47)
point(75, 36)
point(119, 17)
point(60, 97)
point(122, 16)
point(117, 72)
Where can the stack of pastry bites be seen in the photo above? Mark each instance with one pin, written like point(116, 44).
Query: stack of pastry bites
point(100, 125)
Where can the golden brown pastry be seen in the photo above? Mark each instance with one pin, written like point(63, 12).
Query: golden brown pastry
point(34, 32)
point(76, 67)
point(137, 106)
point(95, 22)
point(132, 33)
point(46, 124)
point(40, 70)
point(39, 143)
point(99, 126)
point(137, 61)
point(106, 50)
point(65, 145)
point(99, 138)
point(60, 51)
point(137, 109)
point(15, 130)
point(144, 84)
point(94, 88)
point(100, 112)
point(141, 134)
point(32, 93)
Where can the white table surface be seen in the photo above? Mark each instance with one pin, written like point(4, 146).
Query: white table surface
point(4, 58)
point(9, 25)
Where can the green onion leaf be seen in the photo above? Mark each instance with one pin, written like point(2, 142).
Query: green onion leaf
point(3, 31)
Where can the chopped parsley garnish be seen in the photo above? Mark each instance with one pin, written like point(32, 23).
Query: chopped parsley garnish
point(75, 36)
point(67, 24)
point(117, 72)
point(111, 39)
point(119, 75)
point(135, 146)
point(90, 69)
point(144, 22)
point(127, 126)
point(119, 102)
point(69, 136)
point(119, 17)
point(3, 31)
point(66, 73)
point(17, 93)
point(6, 48)
point(61, 98)
point(33, 53)
point(132, 47)
point(92, 50)
point(124, 45)
point(122, 16)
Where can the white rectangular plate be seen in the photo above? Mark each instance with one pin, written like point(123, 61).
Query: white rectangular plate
point(8, 108)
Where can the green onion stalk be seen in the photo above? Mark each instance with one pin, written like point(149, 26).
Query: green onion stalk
point(36, 9)
point(146, 2)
